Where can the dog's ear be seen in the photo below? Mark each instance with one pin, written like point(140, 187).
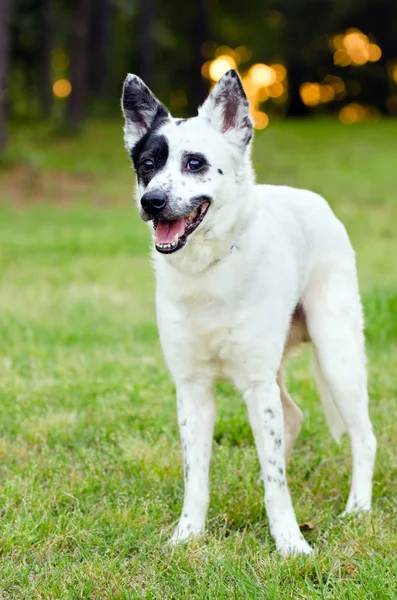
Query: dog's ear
point(227, 109)
point(142, 111)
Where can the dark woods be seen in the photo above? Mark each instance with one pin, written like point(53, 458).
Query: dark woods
point(66, 59)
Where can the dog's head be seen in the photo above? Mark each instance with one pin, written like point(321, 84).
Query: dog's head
point(189, 171)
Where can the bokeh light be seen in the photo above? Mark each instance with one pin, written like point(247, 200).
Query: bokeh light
point(261, 120)
point(354, 48)
point(262, 75)
point(220, 65)
point(260, 81)
point(355, 112)
point(310, 93)
point(62, 88)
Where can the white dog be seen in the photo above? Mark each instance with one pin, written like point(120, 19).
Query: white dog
point(244, 274)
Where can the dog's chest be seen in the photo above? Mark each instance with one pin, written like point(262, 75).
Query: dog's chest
point(207, 327)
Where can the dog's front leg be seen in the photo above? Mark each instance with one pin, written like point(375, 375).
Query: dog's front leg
point(266, 418)
point(196, 417)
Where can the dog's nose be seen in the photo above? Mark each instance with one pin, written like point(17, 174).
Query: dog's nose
point(153, 202)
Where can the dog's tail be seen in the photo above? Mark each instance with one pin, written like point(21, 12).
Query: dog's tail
point(334, 419)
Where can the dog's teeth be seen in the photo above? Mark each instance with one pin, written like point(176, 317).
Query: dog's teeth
point(176, 238)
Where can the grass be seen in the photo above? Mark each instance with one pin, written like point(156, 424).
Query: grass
point(90, 461)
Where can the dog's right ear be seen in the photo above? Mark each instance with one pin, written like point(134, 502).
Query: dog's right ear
point(141, 109)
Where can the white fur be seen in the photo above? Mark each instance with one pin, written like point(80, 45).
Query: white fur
point(224, 306)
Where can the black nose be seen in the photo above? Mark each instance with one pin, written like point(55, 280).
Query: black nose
point(154, 202)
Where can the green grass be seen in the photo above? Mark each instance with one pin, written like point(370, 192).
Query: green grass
point(90, 461)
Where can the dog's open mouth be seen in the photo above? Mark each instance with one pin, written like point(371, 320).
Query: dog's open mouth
point(171, 236)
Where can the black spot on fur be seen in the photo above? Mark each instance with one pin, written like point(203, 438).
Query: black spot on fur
point(268, 411)
point(277, 442)
point(220, 171)
point(272, 432)
point(180, 121)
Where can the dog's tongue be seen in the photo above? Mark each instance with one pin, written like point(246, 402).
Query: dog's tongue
point(166, 230)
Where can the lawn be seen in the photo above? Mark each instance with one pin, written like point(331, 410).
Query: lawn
point(91, 470)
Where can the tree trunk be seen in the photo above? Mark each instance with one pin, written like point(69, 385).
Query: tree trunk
point(296, 77)
point(200, 31)
point(44, 70)
point(5, 22)
point(100, 44)
point(79, 61)
point(146, 40)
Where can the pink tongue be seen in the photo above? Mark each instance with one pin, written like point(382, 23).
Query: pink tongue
point(166, 230)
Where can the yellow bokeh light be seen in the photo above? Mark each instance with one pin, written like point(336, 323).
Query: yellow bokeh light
point(261, 120)
point(262, 95)
point(354, 47)
point(275, 90)
point(341, 58)
point(394, 73)
point(250, 87)
point(337, 84)
point(374, 52)
point(243, 53)
point(337, 41)
point(310, 93)
point(352, 113)
point(62, 88)
point(205, 69)
point(262, 75)
point(220, 65)
point(280, 71)
point(327, 93)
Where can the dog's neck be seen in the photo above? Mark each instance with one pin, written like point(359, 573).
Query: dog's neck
point(208, 248)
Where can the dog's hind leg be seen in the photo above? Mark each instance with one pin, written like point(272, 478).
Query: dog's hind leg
point(335, 324)
point(293, 416)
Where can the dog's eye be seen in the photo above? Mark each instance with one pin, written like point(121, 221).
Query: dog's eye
point(194, 164)
point(147, 165)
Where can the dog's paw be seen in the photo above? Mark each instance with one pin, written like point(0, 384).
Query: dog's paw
point(357, 508)
point(185, 532)
point(293, 547)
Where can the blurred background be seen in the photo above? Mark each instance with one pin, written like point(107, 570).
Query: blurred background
point(66, 60)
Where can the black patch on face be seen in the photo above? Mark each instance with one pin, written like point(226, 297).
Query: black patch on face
point(151, 146)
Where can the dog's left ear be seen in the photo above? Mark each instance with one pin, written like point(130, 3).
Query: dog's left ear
point(227, 109)
point(141, 109)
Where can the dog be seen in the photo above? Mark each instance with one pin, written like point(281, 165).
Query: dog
point(246, 273)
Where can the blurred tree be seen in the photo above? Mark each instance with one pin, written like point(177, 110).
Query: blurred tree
point(79, 63)
point(5, 23)
point(45, 23)
point(199, 35)
point(99, 49)
point(147, 11)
